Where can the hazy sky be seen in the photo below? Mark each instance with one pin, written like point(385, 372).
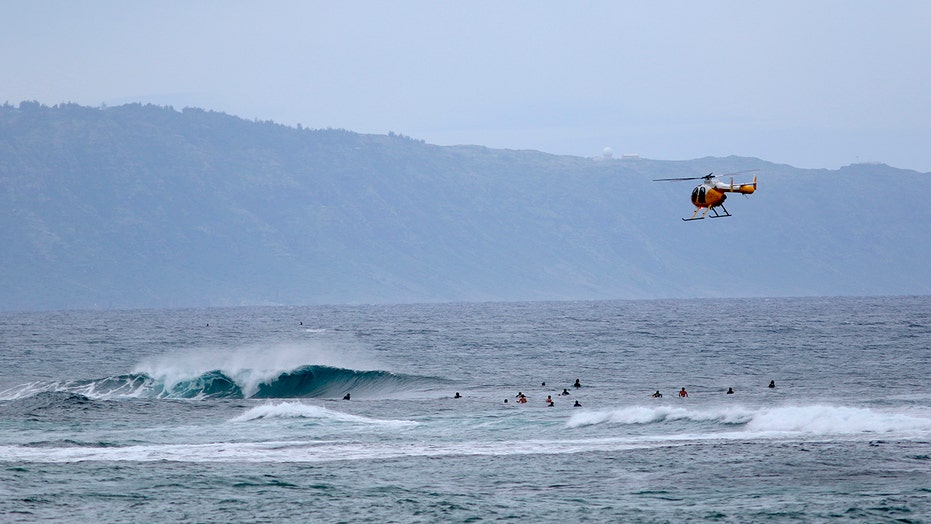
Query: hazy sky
point(810, 83)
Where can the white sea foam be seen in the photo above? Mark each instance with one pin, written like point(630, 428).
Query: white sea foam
point(812, 419)
point(306, 451)
point(27, 390)
point(835, 420)
point(648, 415)
point(286, 410)
point(103, 388)
point(766, 423)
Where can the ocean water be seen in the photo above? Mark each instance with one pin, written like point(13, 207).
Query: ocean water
point(237, 415)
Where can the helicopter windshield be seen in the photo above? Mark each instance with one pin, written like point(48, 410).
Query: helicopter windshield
point(698, 195)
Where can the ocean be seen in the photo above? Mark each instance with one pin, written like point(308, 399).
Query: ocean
point(238, 414)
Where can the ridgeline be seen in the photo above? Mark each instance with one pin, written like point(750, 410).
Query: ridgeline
point(144, 206)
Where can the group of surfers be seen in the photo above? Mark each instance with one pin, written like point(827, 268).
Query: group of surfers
point(685, 394)
point(522, 399)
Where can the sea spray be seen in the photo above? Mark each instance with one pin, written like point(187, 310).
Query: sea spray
point(250, 366)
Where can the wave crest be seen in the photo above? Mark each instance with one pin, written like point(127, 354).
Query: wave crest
point(653, 415)
point(304, 382)
point(835, 419)
point(813, 419)
point(290, 410)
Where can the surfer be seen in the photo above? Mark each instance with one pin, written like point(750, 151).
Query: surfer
point(457, 395)
point(549, 399)
point(683, 393)
point(346, 397)
point(772, 384)
point(657, 394)
point(730, 391)
point(577, 384)
point(549, 404)
point(564, 392)
point(577, 405)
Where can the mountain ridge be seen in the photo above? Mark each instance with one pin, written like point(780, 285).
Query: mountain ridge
point(145, 206)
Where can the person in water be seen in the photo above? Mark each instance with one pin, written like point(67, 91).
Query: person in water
point(730, 391)
point(346, 397)
point(457, 395)
point(657, 394)
point(564, 392)
point(577, 384)
point(683, 393)
point(577, 405)
point(772, 384)
point(549, 399)
point(549, 404)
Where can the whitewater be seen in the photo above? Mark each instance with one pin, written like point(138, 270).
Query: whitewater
point(349, 413)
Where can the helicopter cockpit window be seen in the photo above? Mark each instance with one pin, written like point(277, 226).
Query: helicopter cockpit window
point(698, 194)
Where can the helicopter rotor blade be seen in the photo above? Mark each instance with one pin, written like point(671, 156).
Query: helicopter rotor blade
point(706, 177)
point(740, 172)
point(709, 176)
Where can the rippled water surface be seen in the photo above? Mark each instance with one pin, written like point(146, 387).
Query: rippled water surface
point(233, 415)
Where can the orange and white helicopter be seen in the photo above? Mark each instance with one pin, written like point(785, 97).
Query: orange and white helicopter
point(710, 195)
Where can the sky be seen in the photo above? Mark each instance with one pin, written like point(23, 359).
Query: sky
point(812, 84)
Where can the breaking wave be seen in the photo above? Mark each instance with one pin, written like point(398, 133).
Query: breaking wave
point(288, 410)
point(812, 419)
point(311, 381)
point(249, 372)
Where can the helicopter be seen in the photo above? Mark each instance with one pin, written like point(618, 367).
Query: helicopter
point(710, 195)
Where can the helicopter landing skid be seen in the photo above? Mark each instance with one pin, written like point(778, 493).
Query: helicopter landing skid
point(713, 210)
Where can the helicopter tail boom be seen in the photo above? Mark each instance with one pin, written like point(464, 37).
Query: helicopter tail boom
point(746, 189)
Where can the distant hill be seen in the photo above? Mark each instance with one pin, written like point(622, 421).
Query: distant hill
point(145, 206)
